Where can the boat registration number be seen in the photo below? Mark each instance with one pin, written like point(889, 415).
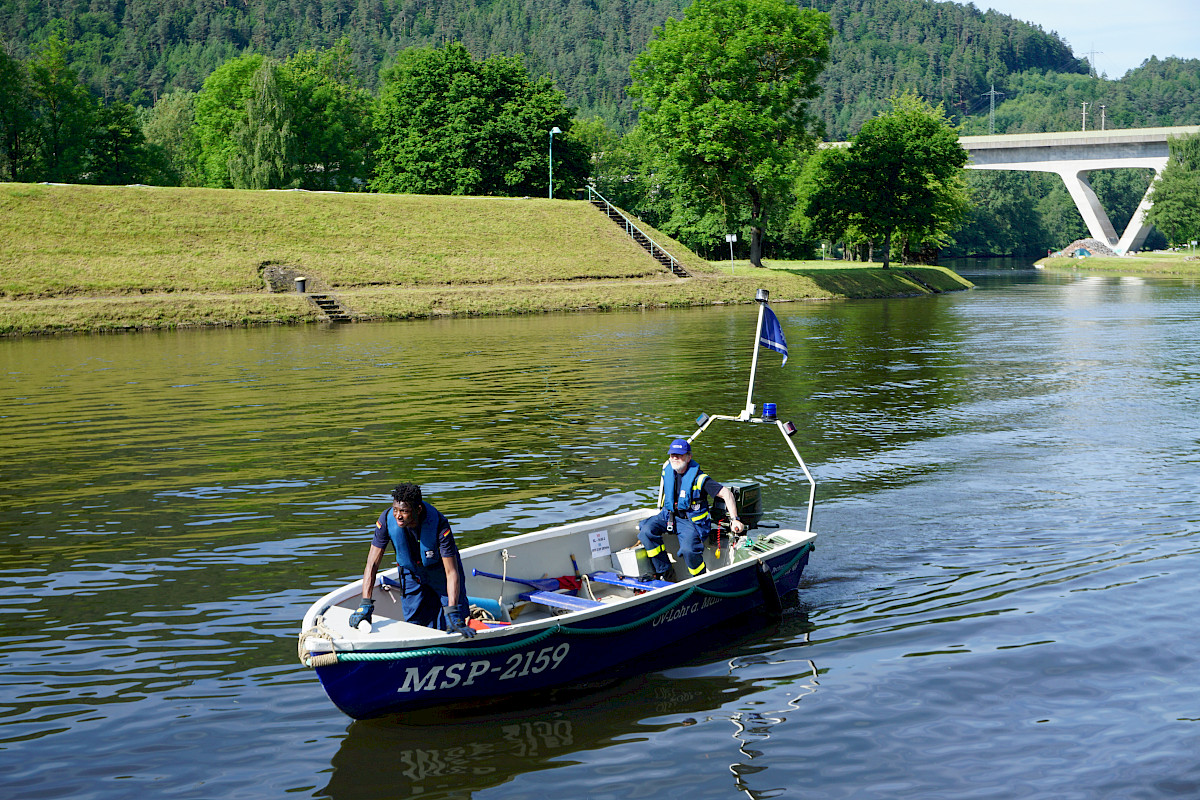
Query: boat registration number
point(465, 673)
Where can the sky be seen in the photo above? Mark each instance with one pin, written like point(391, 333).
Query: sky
point(1122, 33)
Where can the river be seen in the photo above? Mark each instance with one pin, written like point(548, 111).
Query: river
point(1001, 603)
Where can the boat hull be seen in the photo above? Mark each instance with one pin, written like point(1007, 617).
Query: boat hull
point(569, 650)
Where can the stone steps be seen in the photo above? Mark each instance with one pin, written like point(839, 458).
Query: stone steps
point(330, 307)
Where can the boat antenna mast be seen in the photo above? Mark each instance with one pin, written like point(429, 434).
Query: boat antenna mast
point(769, 416)
point(762, 297)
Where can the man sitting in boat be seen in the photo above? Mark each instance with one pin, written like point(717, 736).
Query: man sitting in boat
point(683, 499)
point(433, 587)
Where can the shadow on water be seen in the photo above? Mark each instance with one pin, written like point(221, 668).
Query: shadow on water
point(435, 754)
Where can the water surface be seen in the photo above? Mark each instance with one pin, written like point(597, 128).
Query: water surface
point(1000, 604)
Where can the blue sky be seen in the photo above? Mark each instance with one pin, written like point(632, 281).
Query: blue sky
point(1123, 33)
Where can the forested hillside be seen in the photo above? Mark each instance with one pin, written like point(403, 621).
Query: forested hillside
point(948, 53)
point(138, 49)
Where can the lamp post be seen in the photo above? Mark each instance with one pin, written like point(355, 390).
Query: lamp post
point(553, 131)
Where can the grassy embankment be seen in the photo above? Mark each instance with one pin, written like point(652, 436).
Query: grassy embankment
point(93, 258)
point(1152, 263)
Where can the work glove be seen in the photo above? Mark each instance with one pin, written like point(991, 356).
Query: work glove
point(455, 619)
point(363, 613)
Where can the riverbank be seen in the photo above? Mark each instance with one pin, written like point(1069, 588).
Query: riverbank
point(1153, 263)
point(102, 258)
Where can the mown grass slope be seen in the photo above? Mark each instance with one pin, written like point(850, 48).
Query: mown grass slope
point(78, 258)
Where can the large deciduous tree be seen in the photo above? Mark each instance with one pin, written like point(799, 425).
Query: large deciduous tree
point(902, 174)
point(264, 125)
point(725, 96)
point(1176, 209)
point(449, 124)
point(331, 119)
point(219, 109)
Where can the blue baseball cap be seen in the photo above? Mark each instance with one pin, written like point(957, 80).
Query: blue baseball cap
point(679, 447)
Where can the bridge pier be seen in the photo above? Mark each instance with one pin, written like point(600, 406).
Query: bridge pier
point(1098, 223)
point(1073, 156)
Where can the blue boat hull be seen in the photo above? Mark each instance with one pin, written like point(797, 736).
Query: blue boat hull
point(552, 654)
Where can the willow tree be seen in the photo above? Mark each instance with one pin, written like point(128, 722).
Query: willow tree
point(266, 144)
point(724, 96)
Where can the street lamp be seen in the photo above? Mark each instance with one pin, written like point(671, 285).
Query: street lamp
point(553, 131)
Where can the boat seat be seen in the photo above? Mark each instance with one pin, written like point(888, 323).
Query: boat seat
point(567, 601)
point(613, 579)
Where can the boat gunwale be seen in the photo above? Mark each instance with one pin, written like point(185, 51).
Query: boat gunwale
point(505, 634)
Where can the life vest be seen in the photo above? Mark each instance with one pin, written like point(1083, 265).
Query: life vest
point(429, 569)
point(690, 497)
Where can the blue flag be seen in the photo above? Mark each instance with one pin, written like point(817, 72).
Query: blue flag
point(771, 335)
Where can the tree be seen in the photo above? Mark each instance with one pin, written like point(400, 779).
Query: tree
point(118, 152)
point(725, 96)
point(448, 124)
point(17, 135)
point(902, 174)
point(63, 113)
point(171, 126)
point(1004, 218)
point(1176, 209)
point(265, 144)
point(331, 117)
point(220, 107)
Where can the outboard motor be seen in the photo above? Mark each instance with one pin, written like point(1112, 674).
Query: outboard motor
point(748, 497)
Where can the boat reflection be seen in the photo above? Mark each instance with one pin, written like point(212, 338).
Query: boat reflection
point(385, 757)
point(435, 758)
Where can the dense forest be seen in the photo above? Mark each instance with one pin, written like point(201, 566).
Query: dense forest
point(150, 57)
point(136, 50)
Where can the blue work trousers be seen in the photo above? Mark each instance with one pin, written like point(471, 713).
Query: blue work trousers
point(691, 541)
point(421, 604)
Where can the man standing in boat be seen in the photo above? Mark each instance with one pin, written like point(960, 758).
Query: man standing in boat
point(683, 499)
point(433, 589)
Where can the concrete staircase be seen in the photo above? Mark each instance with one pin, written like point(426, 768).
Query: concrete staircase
point(637, 234)
point(918, 281)
point(330, 307)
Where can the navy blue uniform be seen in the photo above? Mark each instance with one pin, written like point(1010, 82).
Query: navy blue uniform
point(685, 498)
point(422, 574)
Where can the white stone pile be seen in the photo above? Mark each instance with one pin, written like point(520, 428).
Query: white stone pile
point(1093, 246)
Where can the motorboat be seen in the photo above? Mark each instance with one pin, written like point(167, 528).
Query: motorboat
point(562, 606)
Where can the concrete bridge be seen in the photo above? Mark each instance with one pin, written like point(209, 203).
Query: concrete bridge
point(1073, 155)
